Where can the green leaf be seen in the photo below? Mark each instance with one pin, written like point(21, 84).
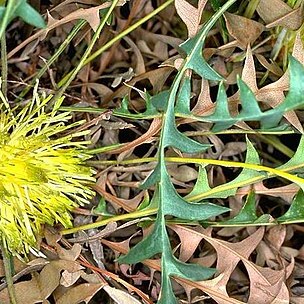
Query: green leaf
point(166, 294)
point(247, 215)
point(29, 15)
point(174, 138)
point(187, 271)
point(183, 97)
point(230, 188)
point(149, 246)
point(193, 49)
point(295, 213)
point(160, 100)
point(152, 179)
point(201, 185)
point(26, 12)
point(250, 108)
point(221, 116)
point(177, 206)
point(295, 96)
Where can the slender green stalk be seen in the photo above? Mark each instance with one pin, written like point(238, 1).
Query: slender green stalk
point(251, 7)
point(81, 63)
point(118, 37)
point(79, 25)
point(11, 5)
point(4, 66)
point(127, 31)
point(7, 262)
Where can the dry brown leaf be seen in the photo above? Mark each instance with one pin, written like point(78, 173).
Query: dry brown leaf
point(190, 14)
point(69, 278)
point(204, 105)
point(229, 255)
point(153, 129)
point(187, 244)
point(270, 66)
point(140, 63)
point(120, 296)
point(286, 192)
point(69, 254)
point(49, 277)
point(182, 173)
point(91, 15)
point(80, 293)
point(270, 10)
point(278, 13)
point(157, 78)
point(272, 94)
point(244, 30)
point(267, 285)
point(27, 292)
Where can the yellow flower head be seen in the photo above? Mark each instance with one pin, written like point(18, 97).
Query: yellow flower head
point(42, 173)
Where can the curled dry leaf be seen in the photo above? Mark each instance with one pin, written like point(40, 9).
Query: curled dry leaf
point(278, 13)
point(244, 30)
point(190, 15)
point(91, 15)
point(272, 94)
point(120, 296)
point(27, 292)
point(80, 293)
point(182, 173)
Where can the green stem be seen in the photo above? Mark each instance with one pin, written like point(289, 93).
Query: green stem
point(80, 24)
point(4, 66)
point(7, 262)
point(82, 63)
point(10, 7)
point(118, 37)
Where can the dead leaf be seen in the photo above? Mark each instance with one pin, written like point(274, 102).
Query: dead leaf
point(91, 15)
point(190, 14)
point(27, 292)
point(120, 296)
point(69, 278)
point(49, 277)
point(244, 30)
point(80, 293)
point(272, 94)
point(278, 13)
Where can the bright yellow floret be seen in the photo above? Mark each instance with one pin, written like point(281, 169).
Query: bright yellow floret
point(43, 174)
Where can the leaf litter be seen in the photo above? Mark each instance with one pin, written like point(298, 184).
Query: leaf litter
point(252, 264)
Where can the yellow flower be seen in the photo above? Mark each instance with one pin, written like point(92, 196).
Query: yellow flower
point(42, 172)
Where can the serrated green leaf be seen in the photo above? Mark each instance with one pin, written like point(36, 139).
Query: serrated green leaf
point(250, 108)
point(29, 15)
point(124, 106)
point(183, 97)
point(187, 270)
point(201, 185)
point(295, 96)
point(194, 60)
point(150, 109)
point(230, 188)
point(149, 246)
point(221, 116)
point(297, 159)
point(166, 293)
point(247, 214)
point(152, 179)
point(160, 100)
point(176, 206)
point(295, 213)
point(174, 138)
